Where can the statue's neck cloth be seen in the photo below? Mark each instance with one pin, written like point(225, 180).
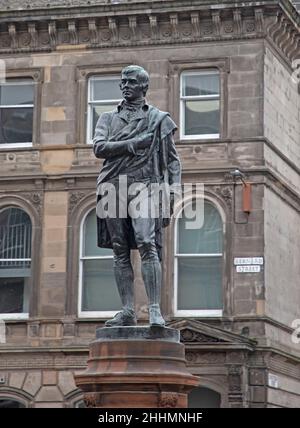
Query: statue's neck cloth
point(133, 105)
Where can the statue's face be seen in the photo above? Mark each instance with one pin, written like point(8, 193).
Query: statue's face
point(131, 86)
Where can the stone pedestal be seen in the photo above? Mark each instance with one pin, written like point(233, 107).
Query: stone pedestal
point(136, 367)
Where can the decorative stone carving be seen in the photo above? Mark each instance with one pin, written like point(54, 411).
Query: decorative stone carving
point(259, 20)
point(253, 22)
point(105, 35)
point(93, 31)
point(52, 33)
point(133, 27)
point(35, 199)
point(237, 19)
point(188, 335)
point(74, 199)
point(91, 399)
point(225, 192)
point(33, 34)
point(112, 24)
point(13, 35)
point(5, 42)
point(168, 400)
point(228, 28)
point(207, 30)
point(174, 25)
point(250, 27)
point(153, 27)
point(73, 32)
point(235, 378)
point(216, 22)
point(195, 24)
point(25, 39)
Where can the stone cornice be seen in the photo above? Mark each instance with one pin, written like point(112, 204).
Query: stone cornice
point(102, 24)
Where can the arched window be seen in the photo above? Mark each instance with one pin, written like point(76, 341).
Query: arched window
point(204, 398)
point(199, 263)
point(8, 403)
point(98, 296)
point(15, 262)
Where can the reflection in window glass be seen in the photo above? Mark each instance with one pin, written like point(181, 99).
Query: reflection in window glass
point(200, 104)
point(199, 262)
point(104, 95)
point(15, 260)
point(98, 290)
point(16, 112)
point(7, 403)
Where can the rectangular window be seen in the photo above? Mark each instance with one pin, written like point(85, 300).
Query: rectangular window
point(16, 113)
point(104, 95)
point(199, 264)
point(200, 104)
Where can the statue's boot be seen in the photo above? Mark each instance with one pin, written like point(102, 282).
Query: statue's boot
point(151, 272)
point(124, 280)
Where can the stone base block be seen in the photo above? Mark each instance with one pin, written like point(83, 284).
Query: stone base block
point(136, 367)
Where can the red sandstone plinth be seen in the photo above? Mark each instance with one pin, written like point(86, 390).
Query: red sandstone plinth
point(136, 367)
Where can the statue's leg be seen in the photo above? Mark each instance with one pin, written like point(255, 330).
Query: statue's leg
point(151, 268)
point(123, 273)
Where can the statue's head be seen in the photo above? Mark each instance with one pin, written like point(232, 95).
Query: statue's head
point(134, 82)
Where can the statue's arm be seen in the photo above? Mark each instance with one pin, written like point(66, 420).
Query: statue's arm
point(104, 149)
point(173, 162)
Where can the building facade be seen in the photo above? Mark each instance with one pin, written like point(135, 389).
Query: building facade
point(227, 73)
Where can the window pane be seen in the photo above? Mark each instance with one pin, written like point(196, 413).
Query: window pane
point(15, 244)
point(15, 237)
point(199, 283)
point(16, 94)
point(97, 110)
point(202, 117)
point(200, 84)
point(208, 239)
point(90, 238)
point(13, 295)
point(10, 404)
point(16, 125)
point(204, 398)
point(99, 288)
point(105, 89)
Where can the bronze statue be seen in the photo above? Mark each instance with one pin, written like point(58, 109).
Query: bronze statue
point(136, 141)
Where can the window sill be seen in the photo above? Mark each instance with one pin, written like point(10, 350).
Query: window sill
point(15, 146)
point(9, 317)
point(199, 313)
point(97, 315)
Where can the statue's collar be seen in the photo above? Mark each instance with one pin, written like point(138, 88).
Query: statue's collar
point(133, 106)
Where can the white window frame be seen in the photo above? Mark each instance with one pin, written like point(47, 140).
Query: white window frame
point(91, 103)
point(12, 82)
point(19, 315)
point(192, 312)
point(184, 98)
point(81, 313)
